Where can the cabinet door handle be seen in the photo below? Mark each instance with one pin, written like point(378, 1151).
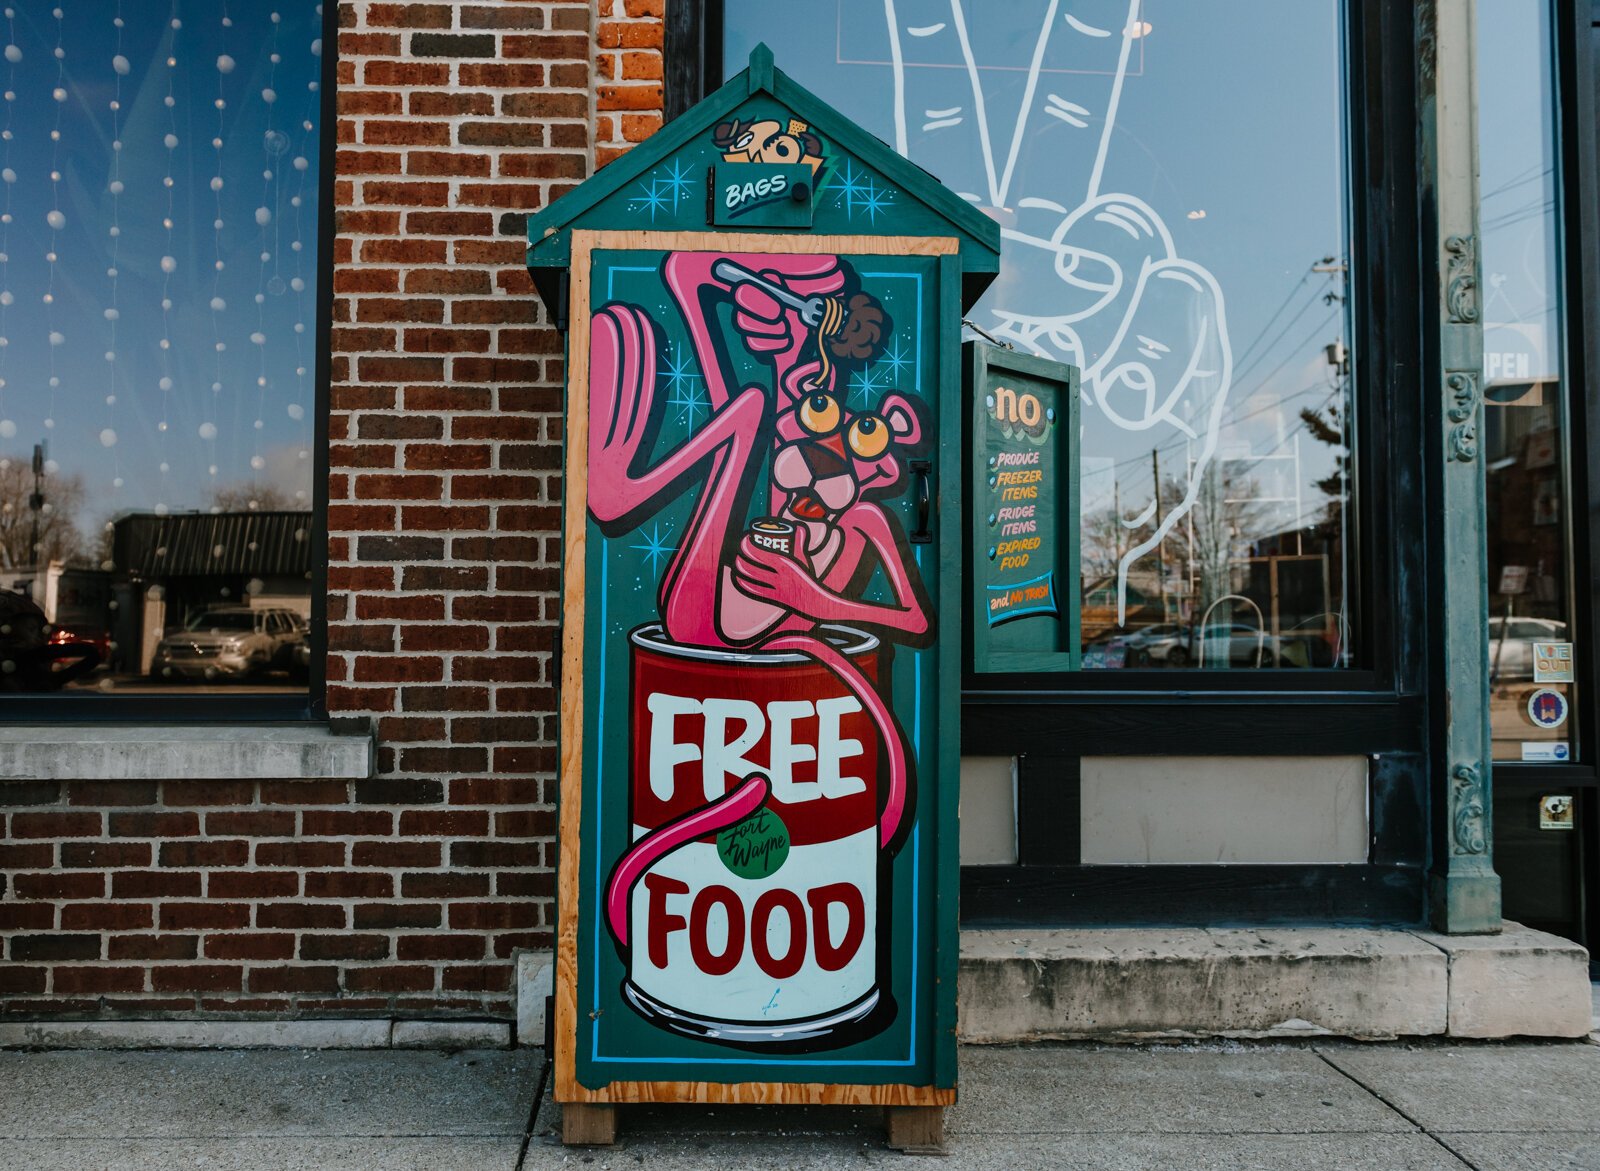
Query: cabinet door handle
point(922, 471)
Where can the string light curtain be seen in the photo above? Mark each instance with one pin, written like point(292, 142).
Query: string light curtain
point(158, 200)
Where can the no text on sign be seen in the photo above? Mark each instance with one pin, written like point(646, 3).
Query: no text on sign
point(1547, 708)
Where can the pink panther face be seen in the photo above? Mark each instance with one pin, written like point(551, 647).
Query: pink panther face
point(828, 457)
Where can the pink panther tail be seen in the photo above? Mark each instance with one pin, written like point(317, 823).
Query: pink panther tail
point(894, 806)
point(750, 796)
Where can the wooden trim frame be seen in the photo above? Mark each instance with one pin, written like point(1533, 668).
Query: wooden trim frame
point(570, 782)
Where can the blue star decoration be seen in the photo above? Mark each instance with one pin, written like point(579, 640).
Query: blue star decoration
point(866, 386)
point(683, 387)
point(678, 180)
point(897, 357)
point(655, 547)
point(856, 190)
point(663, 194)
point(653, 200)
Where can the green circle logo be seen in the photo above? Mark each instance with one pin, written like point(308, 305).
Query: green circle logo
point(756, 846)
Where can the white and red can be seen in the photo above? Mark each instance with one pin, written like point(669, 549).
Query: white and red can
point(765, 933)
point(775, 533)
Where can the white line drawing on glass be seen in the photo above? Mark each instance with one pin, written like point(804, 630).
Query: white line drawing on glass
point(1147, 327)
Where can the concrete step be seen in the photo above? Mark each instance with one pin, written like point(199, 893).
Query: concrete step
point(1129, 984)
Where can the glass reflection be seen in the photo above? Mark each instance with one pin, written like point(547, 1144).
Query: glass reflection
point(1525, 419)
point(158, 239)
point(1169, 178)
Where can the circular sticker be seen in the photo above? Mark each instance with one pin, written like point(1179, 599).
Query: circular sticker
point(1547, 708)
point(756, 846)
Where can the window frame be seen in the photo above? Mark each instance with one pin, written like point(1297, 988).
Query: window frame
point(1385, 711)
point(183, 708)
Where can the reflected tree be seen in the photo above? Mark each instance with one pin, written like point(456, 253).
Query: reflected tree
point(58, 535)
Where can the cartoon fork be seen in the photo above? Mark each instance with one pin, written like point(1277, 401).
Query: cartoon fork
point(809, 308)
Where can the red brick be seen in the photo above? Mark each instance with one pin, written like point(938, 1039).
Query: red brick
point(349, 885)
point(254, 823)
point(16, 980)
point(405, 132)
point(152, 947)
point(377, 916)
point(344, 822)
point(453, 281)
point(395, 853)
point(154, 825)
point(450, 105)
point(434, 946)
point(413, 978)
point(55, 825)
point(449, 823)
point(257, 945)
point(408, 15)
point(304, 792)
point(70, 980)
point(197, 978)
point(111, 793)
point(206, 853)
point(300, 854)
point(489, 916)
point(107, 916)
point(78, 884)
point(443, 886)
point(385, 669)
point(479, 977)
point(192, 916)
point(406, 73)
point(302, 916)
point(186, 793)
point(294, 979)
point(155, 884)
point(41, 854)
point(344, 947)
point(252, 884)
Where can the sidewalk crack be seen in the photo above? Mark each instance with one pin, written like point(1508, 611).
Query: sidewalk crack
point(1344, 1073)
point(533, 1111)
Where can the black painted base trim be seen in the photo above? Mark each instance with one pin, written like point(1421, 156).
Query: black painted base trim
point(1191, 896)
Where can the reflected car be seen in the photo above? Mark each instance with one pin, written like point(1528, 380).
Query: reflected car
point(97, 638)
point(1511, 644)
point(1166, 644)
point(230, 642)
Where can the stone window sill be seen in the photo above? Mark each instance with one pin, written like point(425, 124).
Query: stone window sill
point(144, 752)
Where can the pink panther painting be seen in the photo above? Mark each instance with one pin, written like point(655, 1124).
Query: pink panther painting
point(770, 780)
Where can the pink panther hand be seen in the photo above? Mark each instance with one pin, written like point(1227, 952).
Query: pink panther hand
point(774, 577)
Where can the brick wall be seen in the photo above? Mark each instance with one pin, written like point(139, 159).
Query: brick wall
point(407, 893)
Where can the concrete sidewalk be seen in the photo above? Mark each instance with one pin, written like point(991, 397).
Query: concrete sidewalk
point(1529, 1107)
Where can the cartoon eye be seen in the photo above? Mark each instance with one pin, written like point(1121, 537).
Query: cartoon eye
point(819, 414)
point(785, 148)
point(869, 436)
point(744, 140)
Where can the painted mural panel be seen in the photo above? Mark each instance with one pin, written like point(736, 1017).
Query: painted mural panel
point(756, 895)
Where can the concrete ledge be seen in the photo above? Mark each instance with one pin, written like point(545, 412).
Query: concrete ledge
point(1520, 983)
point(144, 752)
point(325, 1034)
point(1372, 984)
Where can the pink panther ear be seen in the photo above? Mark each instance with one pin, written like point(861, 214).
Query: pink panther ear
point(904, 416)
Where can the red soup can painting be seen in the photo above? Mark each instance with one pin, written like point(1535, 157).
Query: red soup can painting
point(764, 933)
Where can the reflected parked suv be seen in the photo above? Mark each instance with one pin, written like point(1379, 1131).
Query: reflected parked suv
point(230, 642)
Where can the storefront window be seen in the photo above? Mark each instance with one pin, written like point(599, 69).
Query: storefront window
point(1525, 389)
point(158, 256)
point(1170, 178)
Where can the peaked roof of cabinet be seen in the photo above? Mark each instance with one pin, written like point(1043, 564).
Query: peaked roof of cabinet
point(599, 201)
